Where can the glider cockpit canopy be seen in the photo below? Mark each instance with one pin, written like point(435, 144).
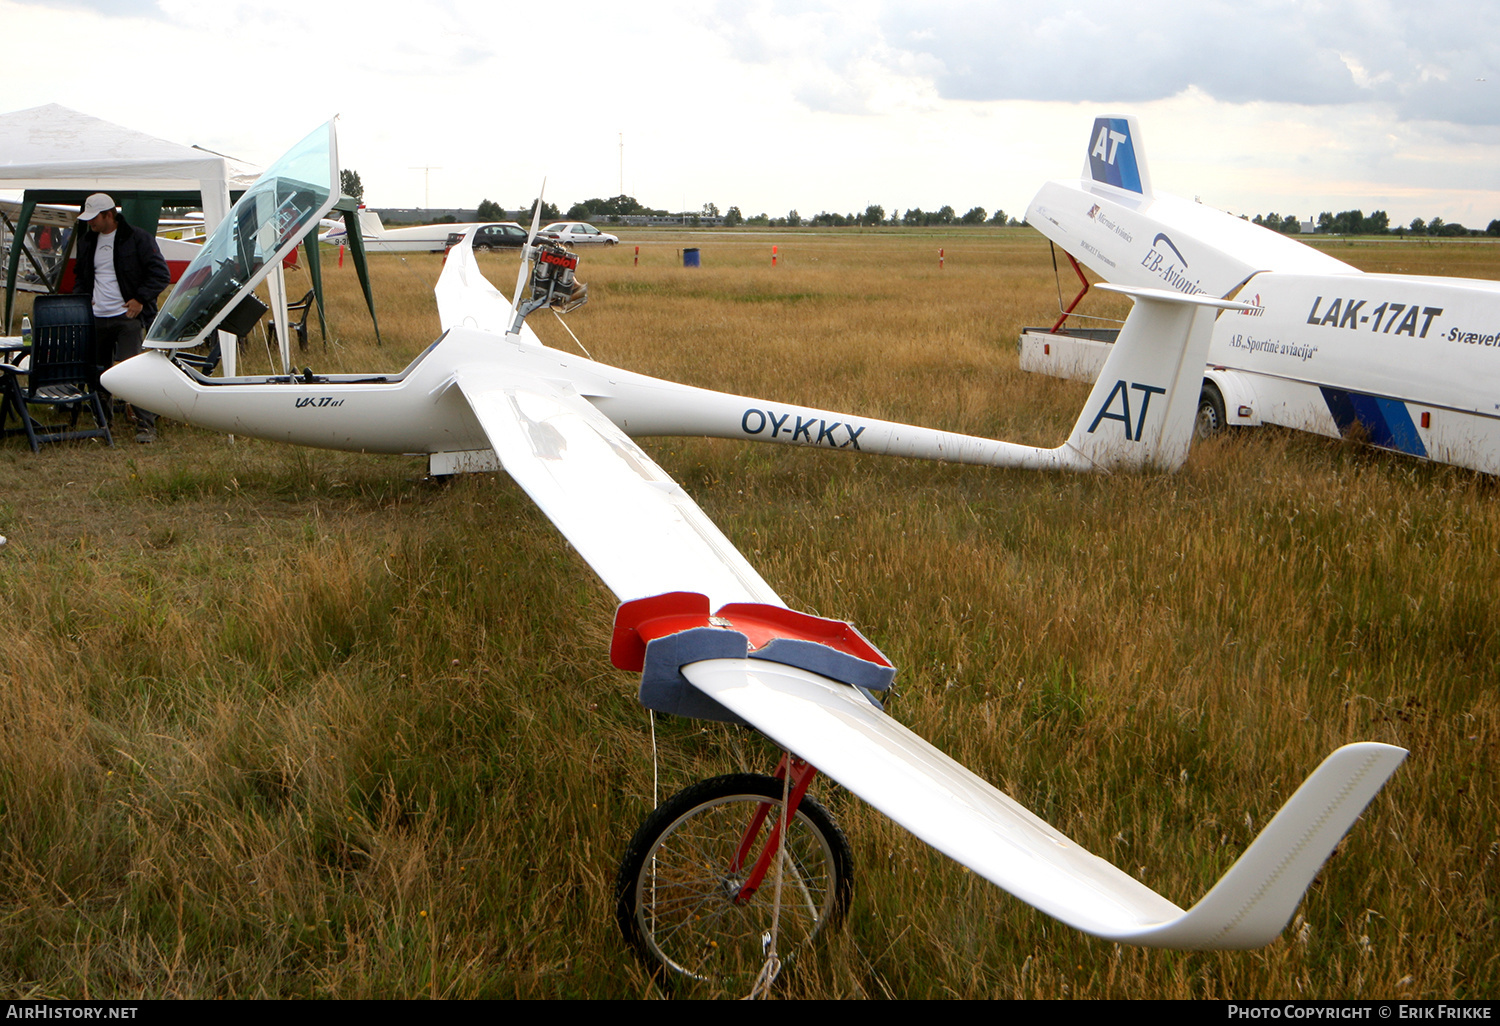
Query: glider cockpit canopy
point(266, 224)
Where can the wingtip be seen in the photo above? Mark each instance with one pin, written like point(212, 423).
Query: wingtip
point(1252, 903)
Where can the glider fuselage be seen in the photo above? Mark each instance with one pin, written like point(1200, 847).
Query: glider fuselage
point(419, 411)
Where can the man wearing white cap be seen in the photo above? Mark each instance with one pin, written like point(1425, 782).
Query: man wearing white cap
point(122, 270)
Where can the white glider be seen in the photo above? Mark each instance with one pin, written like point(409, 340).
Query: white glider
point(710, 635)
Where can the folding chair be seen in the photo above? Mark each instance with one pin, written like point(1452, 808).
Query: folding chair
point(61, 372)
point(299, 326)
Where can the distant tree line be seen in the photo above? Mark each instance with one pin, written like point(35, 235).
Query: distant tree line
point(615, 207)
point(1288, 225)
point(1354, 222)
point(1437, 226)
point(1345, 222)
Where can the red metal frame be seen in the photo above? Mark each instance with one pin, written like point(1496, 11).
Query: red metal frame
point(802, 776)
point(1076, 299)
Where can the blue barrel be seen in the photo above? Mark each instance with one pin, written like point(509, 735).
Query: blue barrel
point(690, 258)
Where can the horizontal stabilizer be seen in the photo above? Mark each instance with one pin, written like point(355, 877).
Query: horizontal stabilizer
point(946, 805)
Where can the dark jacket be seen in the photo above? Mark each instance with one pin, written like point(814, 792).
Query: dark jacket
point(139, 267)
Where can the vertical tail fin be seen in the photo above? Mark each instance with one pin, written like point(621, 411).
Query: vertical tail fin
point(1141, 411)
point(1116, 157)
point(370, 225)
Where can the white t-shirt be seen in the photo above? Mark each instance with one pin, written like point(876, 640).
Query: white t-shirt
point(107, 299)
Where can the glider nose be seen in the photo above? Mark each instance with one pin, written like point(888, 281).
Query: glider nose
point(142, 380)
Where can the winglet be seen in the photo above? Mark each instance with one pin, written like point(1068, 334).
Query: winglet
point(1252, 903)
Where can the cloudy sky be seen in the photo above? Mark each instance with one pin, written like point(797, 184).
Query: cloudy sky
point(1254, 106)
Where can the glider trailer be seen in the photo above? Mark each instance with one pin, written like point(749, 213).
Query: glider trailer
point(1406, 362)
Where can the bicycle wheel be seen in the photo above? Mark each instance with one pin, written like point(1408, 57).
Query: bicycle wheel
point(678, 891)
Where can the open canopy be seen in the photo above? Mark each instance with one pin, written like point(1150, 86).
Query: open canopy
point(266, 224)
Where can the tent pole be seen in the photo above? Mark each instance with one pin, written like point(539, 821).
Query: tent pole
point(315, 271)
point(17, 247)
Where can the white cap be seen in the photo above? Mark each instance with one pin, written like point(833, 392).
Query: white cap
point(95, 205)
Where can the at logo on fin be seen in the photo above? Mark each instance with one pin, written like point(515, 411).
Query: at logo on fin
point(1108, 412)
point(1112, 158)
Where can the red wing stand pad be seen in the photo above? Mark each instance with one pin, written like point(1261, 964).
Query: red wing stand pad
point(660, 635)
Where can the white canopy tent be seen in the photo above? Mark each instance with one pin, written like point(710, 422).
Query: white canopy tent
point(59, 155)
point(57, 149)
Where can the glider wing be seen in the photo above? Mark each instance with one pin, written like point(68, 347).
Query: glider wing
point(642, 534)
point(837, 729)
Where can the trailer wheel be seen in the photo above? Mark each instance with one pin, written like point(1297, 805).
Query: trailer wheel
point(1211, 416)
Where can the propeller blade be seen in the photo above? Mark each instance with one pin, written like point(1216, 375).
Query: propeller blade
point(515, 297)
point(536, 213)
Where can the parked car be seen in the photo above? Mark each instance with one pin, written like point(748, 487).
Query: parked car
point(505, 235)
point(575, 233)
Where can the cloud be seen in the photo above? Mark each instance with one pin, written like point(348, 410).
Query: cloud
point(1424, 61)
point(111, 8)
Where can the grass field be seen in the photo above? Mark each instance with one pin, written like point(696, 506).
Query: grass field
point(287, 723)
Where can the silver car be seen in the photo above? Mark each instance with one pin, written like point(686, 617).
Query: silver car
point(576, 233)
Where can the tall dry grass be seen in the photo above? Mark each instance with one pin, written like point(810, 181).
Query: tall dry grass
point(291, 723)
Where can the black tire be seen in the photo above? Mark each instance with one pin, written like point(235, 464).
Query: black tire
point(1211, 417)
point(673, 895)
